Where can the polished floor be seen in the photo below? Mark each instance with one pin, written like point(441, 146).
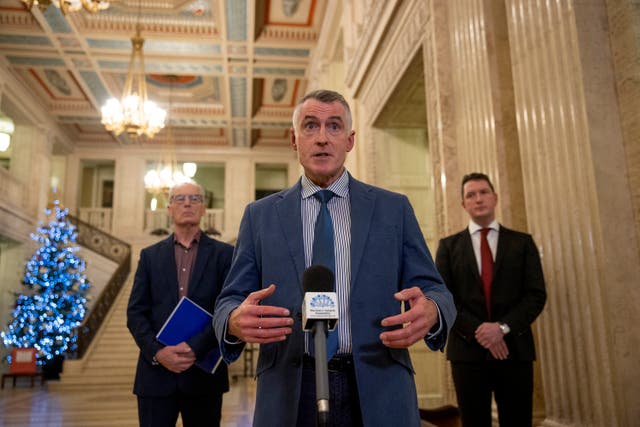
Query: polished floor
point(23, 406)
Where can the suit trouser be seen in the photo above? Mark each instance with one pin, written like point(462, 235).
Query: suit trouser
point(511, 382)
point(344, 403)
point(196, 410)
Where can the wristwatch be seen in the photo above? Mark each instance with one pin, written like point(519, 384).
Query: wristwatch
point(504, 328)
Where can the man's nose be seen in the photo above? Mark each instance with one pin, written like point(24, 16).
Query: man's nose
point(321, 137)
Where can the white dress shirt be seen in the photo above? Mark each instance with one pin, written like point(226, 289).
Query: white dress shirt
point(492, 238)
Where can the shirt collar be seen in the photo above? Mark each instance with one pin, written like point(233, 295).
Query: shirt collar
point(473, 227)
point(196, 238)
point(340, 187)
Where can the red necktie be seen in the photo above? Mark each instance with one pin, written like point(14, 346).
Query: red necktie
point(487, 267)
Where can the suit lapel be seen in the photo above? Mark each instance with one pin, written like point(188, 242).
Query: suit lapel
point(503, 248)
point(168, 267)
point(469, 256)
point(289, 215)
point(362, 203)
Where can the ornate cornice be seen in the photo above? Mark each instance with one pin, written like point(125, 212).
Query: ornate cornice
point(22, 20)
point(394, 55)
point(375, 24)
point(289, 34)
point(149, 25)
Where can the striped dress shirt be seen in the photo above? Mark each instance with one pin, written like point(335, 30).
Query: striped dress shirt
point(340, 210)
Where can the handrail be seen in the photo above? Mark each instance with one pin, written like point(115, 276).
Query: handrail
point(116, 250)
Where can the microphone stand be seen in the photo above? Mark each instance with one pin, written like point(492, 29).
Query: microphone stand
point(322, 375)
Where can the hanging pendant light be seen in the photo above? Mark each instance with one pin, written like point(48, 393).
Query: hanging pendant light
point(134, 114)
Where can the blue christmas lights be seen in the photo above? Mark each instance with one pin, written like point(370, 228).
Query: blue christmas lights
point(47, 314)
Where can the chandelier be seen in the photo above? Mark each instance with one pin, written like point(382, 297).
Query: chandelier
point(134, 114)
point(159, 180)
point(67, 6)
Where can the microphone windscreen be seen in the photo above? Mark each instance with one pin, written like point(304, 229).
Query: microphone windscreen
point(318, 278)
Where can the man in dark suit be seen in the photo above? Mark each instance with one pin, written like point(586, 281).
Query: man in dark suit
point(187, 263)
point(381, 263)
point(495, 276)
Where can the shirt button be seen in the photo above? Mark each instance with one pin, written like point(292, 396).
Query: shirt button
point(184, 269)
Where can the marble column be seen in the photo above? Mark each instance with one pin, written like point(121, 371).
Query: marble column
point(485, 125)
point(486, 136)
point(579, 209)
point(437, 61)
point(240, 187)
point(32, 146)
point(129, 193)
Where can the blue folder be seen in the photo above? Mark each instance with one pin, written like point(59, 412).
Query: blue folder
point(186, 320)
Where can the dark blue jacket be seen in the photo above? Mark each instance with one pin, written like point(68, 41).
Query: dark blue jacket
point(153, 298)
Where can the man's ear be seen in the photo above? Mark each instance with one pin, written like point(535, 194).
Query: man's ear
point(352, 140)
point(294, 146)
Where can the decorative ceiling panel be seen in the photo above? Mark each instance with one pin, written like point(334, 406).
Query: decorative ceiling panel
point(231, 70)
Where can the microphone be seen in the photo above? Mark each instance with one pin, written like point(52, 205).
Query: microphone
point(319, 312)
point(320, 301)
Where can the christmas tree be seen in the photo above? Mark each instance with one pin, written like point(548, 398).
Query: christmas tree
point(53, 304)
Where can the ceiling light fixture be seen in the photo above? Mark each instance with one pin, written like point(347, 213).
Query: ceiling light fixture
point(6, 130)
point(189, 169)
point(67, 6)
point(134, 114)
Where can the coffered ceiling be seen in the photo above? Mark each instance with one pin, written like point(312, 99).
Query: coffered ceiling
point(231, 70)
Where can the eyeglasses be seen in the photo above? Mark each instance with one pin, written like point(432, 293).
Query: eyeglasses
point(193, 198)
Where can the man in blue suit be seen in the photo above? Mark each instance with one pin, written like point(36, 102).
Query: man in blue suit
point(187, 263)
point(381, 263)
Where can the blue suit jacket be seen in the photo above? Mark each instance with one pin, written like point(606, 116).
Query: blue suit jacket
point(153, 298)
point(388, 253)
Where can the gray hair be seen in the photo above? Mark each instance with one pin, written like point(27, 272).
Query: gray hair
point(326, 97)
point(172, 190)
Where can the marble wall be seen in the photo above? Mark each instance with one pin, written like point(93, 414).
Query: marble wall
point(579, 207)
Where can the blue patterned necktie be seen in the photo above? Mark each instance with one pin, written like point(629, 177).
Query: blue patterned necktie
point(323, 252)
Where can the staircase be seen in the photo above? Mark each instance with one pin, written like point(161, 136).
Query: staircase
point(110, 361)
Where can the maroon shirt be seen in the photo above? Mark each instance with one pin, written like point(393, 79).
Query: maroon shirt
point(185, 260)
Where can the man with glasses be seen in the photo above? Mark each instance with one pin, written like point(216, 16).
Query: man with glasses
point(187, 263)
